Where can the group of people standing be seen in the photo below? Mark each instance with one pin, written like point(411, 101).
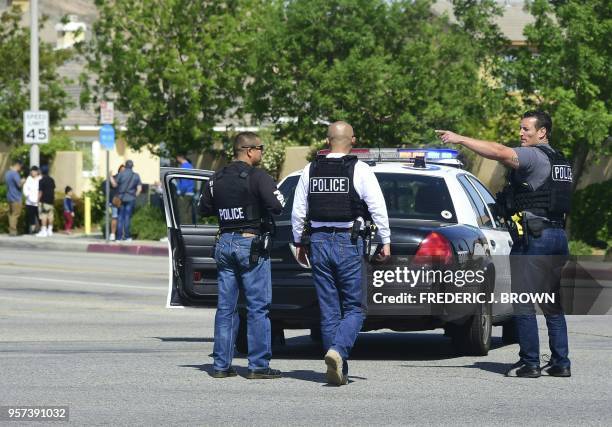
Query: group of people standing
point(38, 190)
point(325, 225)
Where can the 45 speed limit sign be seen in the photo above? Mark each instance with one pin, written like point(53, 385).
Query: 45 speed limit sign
point(35, 127)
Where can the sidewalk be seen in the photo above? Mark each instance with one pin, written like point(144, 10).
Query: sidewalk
point(82, 243)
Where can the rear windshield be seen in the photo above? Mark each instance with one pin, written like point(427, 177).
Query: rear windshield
point(406, 196)
point(416, 197)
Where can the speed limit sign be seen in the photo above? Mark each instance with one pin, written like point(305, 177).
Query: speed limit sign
point(35, 127)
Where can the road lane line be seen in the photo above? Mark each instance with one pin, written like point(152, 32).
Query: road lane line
point(80, 282)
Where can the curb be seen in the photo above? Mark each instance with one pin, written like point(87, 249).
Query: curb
point(65, 245)
point(127, 249)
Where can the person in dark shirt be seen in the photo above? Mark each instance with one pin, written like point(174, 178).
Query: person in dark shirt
point(68, 210)
point(128, 188)
point(185, 189)
point(13, 195)
point(242, 197)
point(46, 198)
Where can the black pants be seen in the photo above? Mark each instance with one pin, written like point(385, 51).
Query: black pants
point(32, 217)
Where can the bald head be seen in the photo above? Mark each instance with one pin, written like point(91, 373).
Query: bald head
point(340, 136)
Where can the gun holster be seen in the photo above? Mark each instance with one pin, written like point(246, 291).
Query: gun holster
point(260, 247)
point(535, 226)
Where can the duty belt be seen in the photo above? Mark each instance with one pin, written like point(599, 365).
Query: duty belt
point(331, 230)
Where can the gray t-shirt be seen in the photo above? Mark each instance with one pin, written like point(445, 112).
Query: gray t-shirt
point(127, 182)
point(534, 166)
point(13, 182)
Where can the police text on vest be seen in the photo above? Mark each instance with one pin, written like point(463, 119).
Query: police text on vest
point(329, 185)
point(231, 214)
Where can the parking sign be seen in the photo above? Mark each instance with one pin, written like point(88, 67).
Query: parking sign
point(35, 127)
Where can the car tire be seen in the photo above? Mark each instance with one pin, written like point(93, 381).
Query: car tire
point(315, 335)
point(474, 336)
point(509, 332)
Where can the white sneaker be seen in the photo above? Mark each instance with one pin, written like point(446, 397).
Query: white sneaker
point(49, 231)
point(129, 239)
point(111, 237)
point(42, 233)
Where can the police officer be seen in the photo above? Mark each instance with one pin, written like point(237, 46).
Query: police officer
point(537, 197)
point(242, 197)
point(333, 197)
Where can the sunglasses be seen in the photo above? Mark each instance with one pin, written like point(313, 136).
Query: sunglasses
point(256, 147)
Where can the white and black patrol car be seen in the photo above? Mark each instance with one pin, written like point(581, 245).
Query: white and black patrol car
point(437, 211)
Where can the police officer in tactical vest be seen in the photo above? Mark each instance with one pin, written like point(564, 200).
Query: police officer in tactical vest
point(536, 201)
point(242, 197)
point(334, 198)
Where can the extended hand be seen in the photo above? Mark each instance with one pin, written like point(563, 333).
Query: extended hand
point(384, 253)
point(449, 137)
point(302, 255)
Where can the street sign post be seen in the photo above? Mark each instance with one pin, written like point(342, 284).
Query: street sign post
point(35, 127)
point(107, 113)
point(107, 141)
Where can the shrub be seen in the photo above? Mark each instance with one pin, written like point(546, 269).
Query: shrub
point(58, 142)
point(148, 223)
point(97, 194)
point(577, 248)
point(591, 217)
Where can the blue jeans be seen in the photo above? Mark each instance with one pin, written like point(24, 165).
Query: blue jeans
point(124, 219)
point(235, 272)
point(537, 268)
point(338, 274)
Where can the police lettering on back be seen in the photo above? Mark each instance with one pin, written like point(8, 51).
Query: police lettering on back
point(231, 214)
point(329, 185)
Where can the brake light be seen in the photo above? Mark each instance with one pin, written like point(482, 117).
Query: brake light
point(197, 276)
point(434, 249)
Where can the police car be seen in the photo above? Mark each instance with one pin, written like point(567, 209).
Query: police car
point(440, 216)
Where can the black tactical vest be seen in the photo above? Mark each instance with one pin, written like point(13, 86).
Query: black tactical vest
point(331, 193)
point(236, 207)
point(553, 198)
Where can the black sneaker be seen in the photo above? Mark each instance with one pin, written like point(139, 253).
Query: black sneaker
point(263, 374)
point(522, 370)
point(556, 370)
point(231, 372)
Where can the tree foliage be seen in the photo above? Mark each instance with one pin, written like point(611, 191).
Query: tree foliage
point(565, 69)
point(173, 66)
point(15, 77)
point(392, 69)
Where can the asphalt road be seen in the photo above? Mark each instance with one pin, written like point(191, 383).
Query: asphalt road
point(91, 332)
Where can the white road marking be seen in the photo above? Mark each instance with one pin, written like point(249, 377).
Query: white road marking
point(80, 282)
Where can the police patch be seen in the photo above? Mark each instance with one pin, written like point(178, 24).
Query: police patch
point(561, 173)
point(329, 185)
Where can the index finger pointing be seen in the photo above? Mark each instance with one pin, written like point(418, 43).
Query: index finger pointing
point(438, 131)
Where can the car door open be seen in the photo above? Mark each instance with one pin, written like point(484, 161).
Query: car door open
point(193, 274)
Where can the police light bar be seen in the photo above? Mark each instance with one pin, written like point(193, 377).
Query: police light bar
point(440, 156)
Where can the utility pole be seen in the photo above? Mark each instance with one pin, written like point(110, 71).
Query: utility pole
point(34, 104)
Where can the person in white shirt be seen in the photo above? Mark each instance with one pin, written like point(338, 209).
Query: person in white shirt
point(30, 192)
point(334, 191)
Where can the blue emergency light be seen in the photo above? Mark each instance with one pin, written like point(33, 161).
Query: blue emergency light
point(441, 156)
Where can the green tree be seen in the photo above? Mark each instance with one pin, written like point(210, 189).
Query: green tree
point(565, 69)
point(15, 77)
point(175, 67)
point(392, 69)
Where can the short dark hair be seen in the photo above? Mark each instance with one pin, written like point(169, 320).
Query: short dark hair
point(34, 168)
point(243, 139)
point(17, 162)
point(543, 120)
point(68, 189)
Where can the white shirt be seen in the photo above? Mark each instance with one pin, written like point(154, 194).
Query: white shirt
point(367, 187)
point(30, 190)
